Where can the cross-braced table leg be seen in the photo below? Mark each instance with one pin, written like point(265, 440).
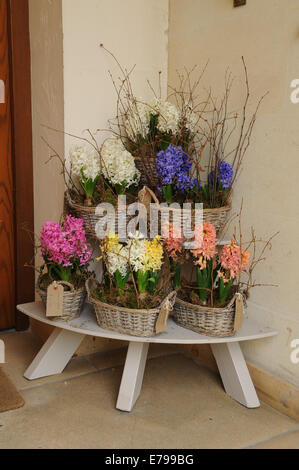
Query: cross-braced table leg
point(55, 354)
point(132, 376)
point(234, 373)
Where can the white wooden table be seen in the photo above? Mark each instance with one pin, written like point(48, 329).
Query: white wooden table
point(67, 337)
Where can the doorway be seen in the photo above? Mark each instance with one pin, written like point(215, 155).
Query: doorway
point(16, 173)
point(7, 256)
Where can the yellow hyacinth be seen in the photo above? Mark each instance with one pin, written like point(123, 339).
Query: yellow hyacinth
point(110, 244)
point(153, 254)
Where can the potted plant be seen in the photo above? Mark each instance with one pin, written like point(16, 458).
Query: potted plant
point(188, 149)
point(66, 257)
point(103, 175)
point(132, 298)
point(213, 300)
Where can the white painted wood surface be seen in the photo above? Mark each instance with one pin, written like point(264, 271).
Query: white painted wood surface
point(54, 355)
point(132, 378)
point(87, 325)
point(234, 374)
point(67, 336)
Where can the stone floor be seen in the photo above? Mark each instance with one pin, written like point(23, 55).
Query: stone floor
point(182, 406)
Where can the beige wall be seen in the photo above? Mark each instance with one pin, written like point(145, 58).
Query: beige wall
point(47, 106)
point(47, 109)
point(136, 31)
point(265, 32)
point(71, 88)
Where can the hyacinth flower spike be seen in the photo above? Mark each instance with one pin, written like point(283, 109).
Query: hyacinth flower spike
point(115, 256)
point(146, 259)
point(64, 248)
point(89, 186)
point(233, 261)
point(174, 245)
point(85, 164)
point(205, 238)
point(172, 171)
point(224, 176)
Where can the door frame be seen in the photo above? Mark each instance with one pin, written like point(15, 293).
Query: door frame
point(20, 67)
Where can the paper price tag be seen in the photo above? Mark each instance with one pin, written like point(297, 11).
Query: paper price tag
point(239, 312)
point(55, 300)
point(161, 324)
point(145, 198)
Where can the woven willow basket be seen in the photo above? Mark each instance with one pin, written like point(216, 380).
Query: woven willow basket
point(208, 321)
point(218, 216)
point(134, 322)
point(82, 212)
point(181, 218)
point(147, 168)
point(88, 214)
point(73, 300)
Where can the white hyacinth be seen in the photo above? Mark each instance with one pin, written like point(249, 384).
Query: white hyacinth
point(118, 165)
point(117, 259)
point(86, 160)
point(137, 121)
point(169, 116)
point(137, 254)
point(191, 119)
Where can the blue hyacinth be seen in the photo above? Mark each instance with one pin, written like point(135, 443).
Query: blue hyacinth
point(225, 175)
point(173, 166)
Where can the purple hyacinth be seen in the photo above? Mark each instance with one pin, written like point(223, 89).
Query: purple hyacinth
point(195, 184)
point(173, 166)
point(225, 175)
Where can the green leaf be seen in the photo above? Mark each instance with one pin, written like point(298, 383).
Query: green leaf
point(88, 184)
point(177, 275)
point(168, 193)
point(142, 279)
point(202, 281)
point(153, 281)
point(224, 290)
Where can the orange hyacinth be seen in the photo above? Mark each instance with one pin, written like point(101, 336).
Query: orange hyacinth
point(205, 239)
point(173, 240)
point(233, 259)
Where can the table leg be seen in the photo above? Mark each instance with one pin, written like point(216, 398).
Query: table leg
point(55, 354)
point(234, 373)
point(132, 376)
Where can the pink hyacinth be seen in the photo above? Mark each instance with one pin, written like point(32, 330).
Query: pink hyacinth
point(65, 245)
point(173, 240)
point(233, 259)
point(205, 240)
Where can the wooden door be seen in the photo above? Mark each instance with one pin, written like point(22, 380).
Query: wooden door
point(7, 257)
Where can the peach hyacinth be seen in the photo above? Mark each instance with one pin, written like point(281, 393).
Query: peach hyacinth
point(173, 240)
point(205, 239)
point(233, 259)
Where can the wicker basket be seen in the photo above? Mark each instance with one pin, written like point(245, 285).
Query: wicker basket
point(88, 214)
point(73, 301)
point(82, 212)
point(135, 322)
point(147, 168)
point(208, 321)
point(218, 216)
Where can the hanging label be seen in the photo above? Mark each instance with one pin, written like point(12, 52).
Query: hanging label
point(145, 198)
point(161, 324)
point(55, 300)
point(239, 312)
